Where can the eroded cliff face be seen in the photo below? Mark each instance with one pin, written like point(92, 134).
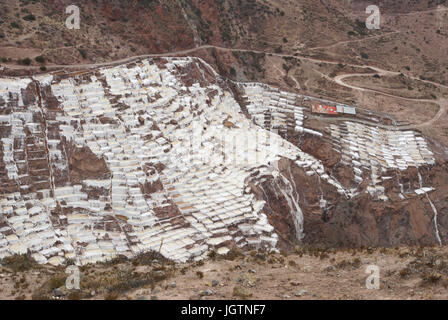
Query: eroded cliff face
point(358, 221)
point(166, 155)
point(404, 217)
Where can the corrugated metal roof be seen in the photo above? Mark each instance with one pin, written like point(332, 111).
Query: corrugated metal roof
point(349, 110)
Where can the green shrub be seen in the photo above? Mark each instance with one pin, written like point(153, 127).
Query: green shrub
point(26, 61)
point(232, 72)
point(29, 17)
point(83, 53)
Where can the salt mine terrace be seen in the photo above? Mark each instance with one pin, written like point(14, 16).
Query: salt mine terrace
point(103, 162)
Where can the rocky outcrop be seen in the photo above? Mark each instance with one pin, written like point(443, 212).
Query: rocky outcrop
point(83, 164)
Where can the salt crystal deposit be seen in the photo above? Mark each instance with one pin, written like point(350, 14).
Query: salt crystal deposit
point(176, 155)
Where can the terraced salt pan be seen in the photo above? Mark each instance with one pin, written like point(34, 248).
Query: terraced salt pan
point(190, 145)
point(11, 89)
point(11, 93)
point(365, 148)
point(155, 96)
point(270, 107)
point(375, 150)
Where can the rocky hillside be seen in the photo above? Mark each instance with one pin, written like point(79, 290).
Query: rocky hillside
point(412, 32)
point(166, 155)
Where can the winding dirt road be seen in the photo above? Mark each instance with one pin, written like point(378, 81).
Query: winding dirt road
point(354, 41)
point(443, 103)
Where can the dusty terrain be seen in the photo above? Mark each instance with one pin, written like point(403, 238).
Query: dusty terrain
point(304, 274)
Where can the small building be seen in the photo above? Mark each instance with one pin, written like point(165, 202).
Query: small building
point(346, 110)
point(323, 109)
point(350, 110)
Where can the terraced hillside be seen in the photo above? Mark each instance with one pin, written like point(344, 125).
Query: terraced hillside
point(166, 155)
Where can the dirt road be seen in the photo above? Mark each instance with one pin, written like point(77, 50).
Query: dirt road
point(338, 79)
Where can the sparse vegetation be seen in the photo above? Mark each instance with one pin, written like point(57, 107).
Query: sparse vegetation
point(45, 292)
point(15, 25)
point(26, 61)
point(83, 53)
point(19, 263)
point(40, 59)
point(29, 17)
